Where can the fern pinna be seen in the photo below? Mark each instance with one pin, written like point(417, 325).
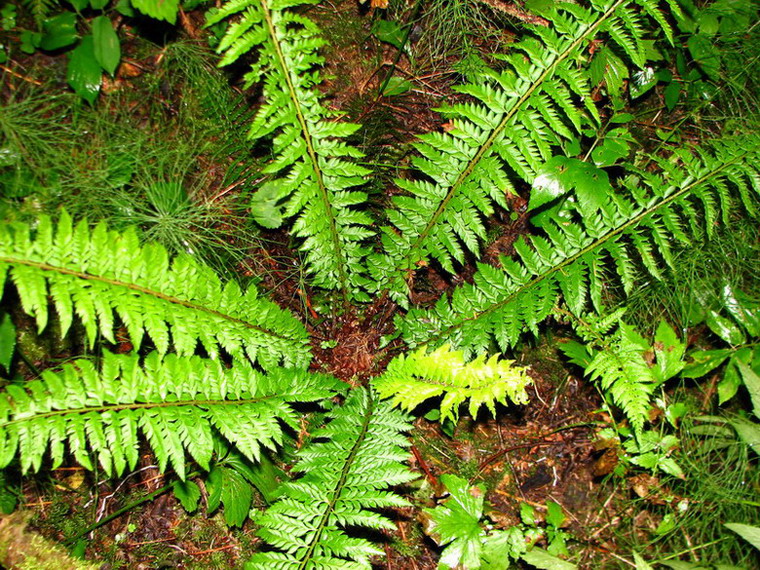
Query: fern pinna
point(519, 116)
point(585, 238)
point(95, 273)
point(175, 401)
point(344, 474)
point(310, 171)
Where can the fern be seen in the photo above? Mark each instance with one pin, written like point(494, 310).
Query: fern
point(417, 377)
point(175, 402)
point(344, 471)
point(575, 252)
point(310, 170)
point(518, 116)
point(96, 273)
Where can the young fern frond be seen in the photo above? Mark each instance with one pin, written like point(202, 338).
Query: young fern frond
point(345, 473)
point(574, 254)
point(311, 171)
point(176, 402)
point(519, 115)
point(95, 273)
point(419, 376)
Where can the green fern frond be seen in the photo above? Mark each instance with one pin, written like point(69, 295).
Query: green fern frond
point(345, 473)
point(176, 402)
point(517, 117)
point(312, 175)
point(624, 375)
point(419, 376)
point(40, 10)
point(582, 248)
point(99, 275)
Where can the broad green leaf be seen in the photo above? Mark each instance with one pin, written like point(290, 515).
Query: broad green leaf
point(107, 47)
point(752, 382)
point(576, 353)
point(389, 32)
point(749, 533)
point(671, 95)
point(59, 31)
point(641, 564)
point(237, 496)
point(83, 73)
point(545, 561)
point(264, 205)
point(188, 494)
point(560, 175)
point(706, 54)
point(724, 328)
point(396, 86)
point(555, 516)
point(669, 351)
point(7, 341)
point(500, 548)
point(79, 5)
point(158, 9)
point(642, 81)
point(729, 384)
point(99, 4)
point(748, 432)
point(704, 361)
point(456, 523)
point(613, 147)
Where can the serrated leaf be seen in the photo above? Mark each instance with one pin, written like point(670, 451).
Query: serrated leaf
point(752, 382)
point(188, 494)
point(749, 533)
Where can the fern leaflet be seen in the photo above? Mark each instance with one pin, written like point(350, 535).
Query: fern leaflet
point(345, 472)
point(175, 402)
point(95, 273)
point(310, 168)
point(578, 247)
point(541, 98)
point(417, 377)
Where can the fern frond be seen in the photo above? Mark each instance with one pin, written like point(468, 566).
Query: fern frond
point(517, 117)
point(312, 175)
point(345, 473)
point(419, 376)
point(624, 375)
point(176, 402)
point(99, 275)
point(579, 248)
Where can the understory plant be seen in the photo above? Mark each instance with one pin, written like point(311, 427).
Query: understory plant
point(213, 361)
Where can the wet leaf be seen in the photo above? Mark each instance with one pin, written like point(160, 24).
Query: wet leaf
point(106, 44)
point(59, 31)
point(83, 73)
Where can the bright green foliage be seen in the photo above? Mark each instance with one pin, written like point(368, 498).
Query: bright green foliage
point(344, 471)
point(176, 402)
point(416, 377)
point(310, 171)
point(519, 116)
point(456, 523)
point(580, 246)
point(95, 273)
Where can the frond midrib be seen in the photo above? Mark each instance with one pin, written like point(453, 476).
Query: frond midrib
point(306, 134)
point(340, 484)
point(485, 147)
point(144, 290)
point(572, 259)
point(136, 406)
